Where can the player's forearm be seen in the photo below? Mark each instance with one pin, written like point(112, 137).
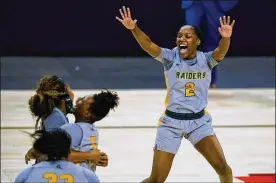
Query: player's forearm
point(224, 44)
point(77, 157)
point(143, 39)
point(222, 49)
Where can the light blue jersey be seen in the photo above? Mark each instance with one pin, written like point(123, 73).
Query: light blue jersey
point(85, 138)
point(55, 120)
point(57, 172)
point(187, 81)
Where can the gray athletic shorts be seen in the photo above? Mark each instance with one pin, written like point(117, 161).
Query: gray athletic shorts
point(171, 131)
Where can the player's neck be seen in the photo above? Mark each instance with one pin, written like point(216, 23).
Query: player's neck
point(192, 56)
point(62, 108)
point(79, 119)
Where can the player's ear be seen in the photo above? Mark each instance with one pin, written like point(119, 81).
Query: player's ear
point(198, 42)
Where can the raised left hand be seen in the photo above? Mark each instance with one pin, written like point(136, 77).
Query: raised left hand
point(226, 28)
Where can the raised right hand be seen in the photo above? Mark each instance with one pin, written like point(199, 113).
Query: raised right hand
point(126, 18)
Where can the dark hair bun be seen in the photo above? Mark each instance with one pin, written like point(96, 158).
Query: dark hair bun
point(111, 98)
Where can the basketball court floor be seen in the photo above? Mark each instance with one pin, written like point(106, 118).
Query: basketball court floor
point(244, 121)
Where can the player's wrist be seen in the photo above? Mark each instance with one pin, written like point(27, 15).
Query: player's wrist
point(225, 38)
point(92, 155)
point(135, 27)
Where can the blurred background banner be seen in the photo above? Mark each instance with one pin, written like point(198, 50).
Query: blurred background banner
point(89, 29)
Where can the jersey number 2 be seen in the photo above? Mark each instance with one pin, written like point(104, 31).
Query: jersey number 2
point(53, 178)
point(189, 89)
point(93, 141)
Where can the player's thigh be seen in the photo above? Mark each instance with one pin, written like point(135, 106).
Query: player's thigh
point(212, 151)
point(167, 142)
point(206, 142)
point(168, 136)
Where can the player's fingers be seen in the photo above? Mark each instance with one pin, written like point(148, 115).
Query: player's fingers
point(233, 23)
point(102, 164)
point(220, 21)
point(103, 157)
point(228, 20)
point(224, 20)
point(102, 161)
point(120, 20)
point(121, 12)
point(125, 12)
point(128, 13)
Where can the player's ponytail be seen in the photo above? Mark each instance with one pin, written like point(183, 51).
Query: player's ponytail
point(55, 144)
point(47, 97)
point(41, 106)
point(102, 104)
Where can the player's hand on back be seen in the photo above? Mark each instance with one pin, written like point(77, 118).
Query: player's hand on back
point(99, 158)
point(126, 19)
point(104, 160)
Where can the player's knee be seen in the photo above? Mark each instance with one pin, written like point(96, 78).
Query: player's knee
point(222, 168)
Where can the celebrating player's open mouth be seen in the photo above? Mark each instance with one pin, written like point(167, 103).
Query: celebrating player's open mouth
point(183, 48)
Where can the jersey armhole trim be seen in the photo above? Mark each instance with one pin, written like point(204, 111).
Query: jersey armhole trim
point(81, 133)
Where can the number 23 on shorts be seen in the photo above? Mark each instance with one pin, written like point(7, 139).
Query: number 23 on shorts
point(189, 89)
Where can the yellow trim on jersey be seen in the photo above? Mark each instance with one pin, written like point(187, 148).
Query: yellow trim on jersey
point(205, 111)
point(93, 141)
point(167, 99)
point(159, 121)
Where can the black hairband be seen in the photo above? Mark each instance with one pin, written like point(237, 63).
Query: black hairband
point(61, 81)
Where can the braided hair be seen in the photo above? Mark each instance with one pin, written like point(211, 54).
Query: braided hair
point(47, 97)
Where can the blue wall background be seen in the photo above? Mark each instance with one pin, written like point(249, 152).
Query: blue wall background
point(89, 28)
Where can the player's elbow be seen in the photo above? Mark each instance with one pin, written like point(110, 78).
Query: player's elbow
point(219, 58)
point(218, 55)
